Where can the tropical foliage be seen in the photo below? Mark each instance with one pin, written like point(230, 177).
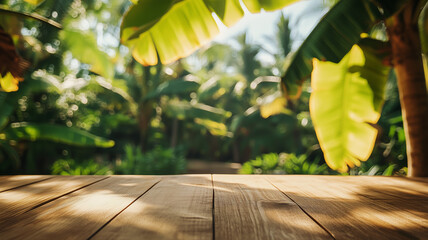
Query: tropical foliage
point(87, 104)
point(344, 26)
point(283, 164)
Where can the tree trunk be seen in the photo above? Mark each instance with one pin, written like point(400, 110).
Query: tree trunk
point(144, 117)
point(174, 134)
point(407, 60)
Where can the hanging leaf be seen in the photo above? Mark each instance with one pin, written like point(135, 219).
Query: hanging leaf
point(34, 2)
point(9, 83)
point(84, 48)
point(5, 10)
point(174, 29)
point(56, 133)
point(185, 110)
point(215, 128)
point(177, 86)
point(229, 11)
point(273, 104)
point(347, 98)
point(331, 39)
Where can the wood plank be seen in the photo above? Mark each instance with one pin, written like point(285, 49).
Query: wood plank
point(389, 187)
point(339, 204)
point(11, 182)
point(249, 207)
point(79, 214)
point(176, 208)
point(19, 200)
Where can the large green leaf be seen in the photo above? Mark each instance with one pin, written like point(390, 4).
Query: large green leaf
point(4, 9)
point(172, 87)
point(84, 47)
point(56, 133)
point(347, 98)
point(331, 39)
point(174, 29)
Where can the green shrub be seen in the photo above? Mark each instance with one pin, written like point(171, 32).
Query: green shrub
point(370, 169)
point(272, 163)
point(156, 161)
point(70, 167)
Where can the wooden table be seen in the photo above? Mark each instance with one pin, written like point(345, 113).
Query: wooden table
point(213, 207)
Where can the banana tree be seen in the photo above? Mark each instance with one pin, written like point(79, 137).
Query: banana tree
point(345, 69)
point(349, 122)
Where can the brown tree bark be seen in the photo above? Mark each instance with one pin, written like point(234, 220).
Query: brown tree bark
point(407, 60)
point(144, 117)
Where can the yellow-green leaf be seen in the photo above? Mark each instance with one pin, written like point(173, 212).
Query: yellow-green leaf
point(143, 50)
point(174, 29)
point(84, 47)
point(215, 128)
point(9, 83)
point(55, 133)
point(256, 6)
point(330, 40)
point(34, 2)
point(274, 107)
point(229, 11)
point(343, 104)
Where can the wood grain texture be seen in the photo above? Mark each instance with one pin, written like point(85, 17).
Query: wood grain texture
point(176, 208)
point(19, 200)
point(80, 214)
point(214, 207)
point(249, 207)
point(343, 205)
point(380, 188)
point(11, 182)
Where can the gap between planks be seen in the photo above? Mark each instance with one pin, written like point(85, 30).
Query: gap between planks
point(341, 205)
point(213, 206)
point(28, 197)
point(63, 217)
point(250, 207)
point(65, 194)
point(303, 210)
point(14, 182)
point(109, 221)
point(178, 207)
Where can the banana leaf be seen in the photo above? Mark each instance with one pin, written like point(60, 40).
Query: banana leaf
point(186, 110)
point(345, 103)
point(84, 48)
point(5, 10)
point(330, 40)
point(177, 86)
point(55, 133)
point(174, 29)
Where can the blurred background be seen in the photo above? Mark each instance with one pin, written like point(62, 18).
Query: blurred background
point(217, 111)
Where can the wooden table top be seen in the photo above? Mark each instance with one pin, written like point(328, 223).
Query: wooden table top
point(213, 207)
